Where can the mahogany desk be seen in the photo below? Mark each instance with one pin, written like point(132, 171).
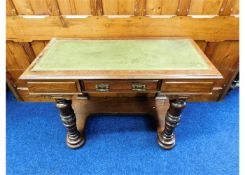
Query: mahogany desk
point(121, 76)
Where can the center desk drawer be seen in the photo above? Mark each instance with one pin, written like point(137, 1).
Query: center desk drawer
point(120, 86)
point(52, 87)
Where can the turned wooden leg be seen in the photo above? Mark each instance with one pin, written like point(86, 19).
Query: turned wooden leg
point(166, 138)
point(73, 138)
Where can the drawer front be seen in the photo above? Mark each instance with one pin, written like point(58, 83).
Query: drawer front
point(119, 86)
point(52, 87)
point(187, 86)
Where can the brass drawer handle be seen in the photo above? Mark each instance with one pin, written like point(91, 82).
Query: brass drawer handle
point(138, 87)
point(102, 87)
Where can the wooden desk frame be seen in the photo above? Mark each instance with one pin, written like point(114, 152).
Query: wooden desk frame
point(174, 86)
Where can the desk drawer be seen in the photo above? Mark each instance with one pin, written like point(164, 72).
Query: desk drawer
point(118, 86)
point(187, 86)
point(52, 87)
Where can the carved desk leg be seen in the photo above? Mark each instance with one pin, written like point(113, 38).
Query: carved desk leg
point(73, 137)
point(166, 139)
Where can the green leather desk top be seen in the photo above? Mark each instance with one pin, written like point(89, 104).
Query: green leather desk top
point(176, 54)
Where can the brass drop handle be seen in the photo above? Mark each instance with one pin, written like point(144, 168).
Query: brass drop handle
point(102, 87)
point(138, 87)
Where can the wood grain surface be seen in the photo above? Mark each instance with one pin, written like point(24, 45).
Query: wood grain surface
point(217, 37)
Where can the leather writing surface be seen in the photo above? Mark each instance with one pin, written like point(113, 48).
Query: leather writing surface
point(167, 54)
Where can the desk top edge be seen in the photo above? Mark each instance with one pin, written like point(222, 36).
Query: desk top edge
point(165, 74)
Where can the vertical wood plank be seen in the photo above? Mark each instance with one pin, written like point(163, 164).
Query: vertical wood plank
point(29, 51)
point(227, 7)
point(205, 7)
point(110, 7)
point(235, 10)
point(201, 44)
point(225, 57)
point(82, 7)
point(153, 7)
point(73, 7)
point(228, 84)
point(196, 7)
point(211, 7)
point(96, 7)
point(39, 7)
point(16, 56)
point(19, 57)
point(53, 7)
point(65, 7)
point(23, 7)
point(46, 42)
point(37, 46)
point(183, 7)
point(140, 8)
point(210, 48)
point(169, 7)
point(126, 7)
point(10, 8)
point(99, 6)
point(93, 8)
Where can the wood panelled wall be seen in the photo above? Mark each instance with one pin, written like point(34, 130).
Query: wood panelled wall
point(213, 24)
